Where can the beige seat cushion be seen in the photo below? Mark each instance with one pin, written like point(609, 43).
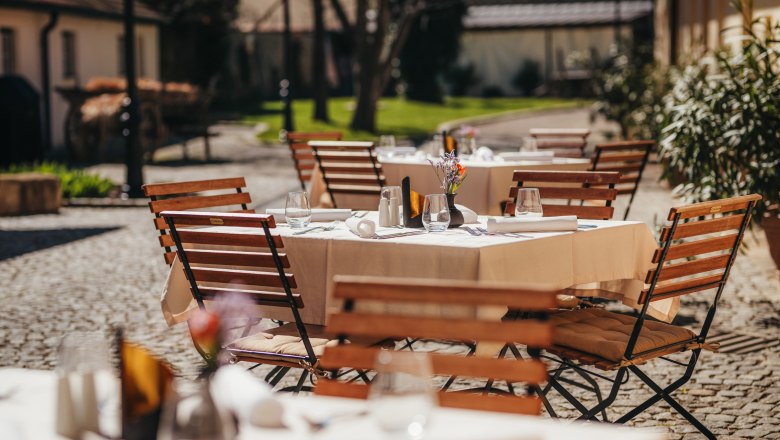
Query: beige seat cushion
point(606, 334)
point(285, 340)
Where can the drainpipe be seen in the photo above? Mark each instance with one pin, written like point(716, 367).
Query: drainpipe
point(45, 81)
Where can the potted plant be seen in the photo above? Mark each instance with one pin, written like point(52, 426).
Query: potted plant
point(723, 135)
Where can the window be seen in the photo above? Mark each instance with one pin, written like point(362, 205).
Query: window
point(68, 54)
point(7, 51)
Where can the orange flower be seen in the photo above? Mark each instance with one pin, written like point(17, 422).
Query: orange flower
point(461, 169)
point(204, 329)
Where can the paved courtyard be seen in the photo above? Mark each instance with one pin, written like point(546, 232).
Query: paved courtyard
point(94, 268)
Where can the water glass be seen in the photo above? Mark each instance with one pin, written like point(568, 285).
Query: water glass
point(387, 141)
point(436, 213)
point(297, 211)
point(402, 395)
point(528, 203)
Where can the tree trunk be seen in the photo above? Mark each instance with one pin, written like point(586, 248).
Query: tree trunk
point(319, 78)
point(373, 68)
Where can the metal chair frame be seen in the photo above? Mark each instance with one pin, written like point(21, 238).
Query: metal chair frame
point(630, 359)
point(265, 221)
point(298, 144)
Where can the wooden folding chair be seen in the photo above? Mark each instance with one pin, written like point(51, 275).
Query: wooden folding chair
point(351, 322)
point(569, 186)
point(564, 142)
point(615, 342)
point(348, 168)
point(628, 158)
point(246, 241)
point(203, 195)
point(301, 152)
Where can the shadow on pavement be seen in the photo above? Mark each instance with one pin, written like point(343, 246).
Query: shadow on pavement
point(15, 243)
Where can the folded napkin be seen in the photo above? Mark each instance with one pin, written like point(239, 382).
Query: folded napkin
point(469, 216)
point(317, 215)
point(528, 155)
point(532, 224)
point(248, 398)
point(395, 151)
point(483, 153)
point(361, 227)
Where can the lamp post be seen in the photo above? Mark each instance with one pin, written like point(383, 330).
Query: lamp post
point(130, 115)
point(285, 89)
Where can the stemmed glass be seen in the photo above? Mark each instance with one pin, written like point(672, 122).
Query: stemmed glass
point(528, 203)
point(436, 213)
point(297, 211)
point(402, 394)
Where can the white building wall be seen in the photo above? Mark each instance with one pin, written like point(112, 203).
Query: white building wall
point(97, 54)
point(498, 55)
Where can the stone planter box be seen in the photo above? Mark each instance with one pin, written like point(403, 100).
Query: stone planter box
point(29, 193)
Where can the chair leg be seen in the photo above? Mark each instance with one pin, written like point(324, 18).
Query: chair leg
point(673, 403)
point(301, 381)
point(596, 390)
point(282, 372)
point(591, 413)
point(270, 374)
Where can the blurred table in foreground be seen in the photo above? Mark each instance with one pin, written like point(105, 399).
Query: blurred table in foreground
point(29, 414)
point(444, 424)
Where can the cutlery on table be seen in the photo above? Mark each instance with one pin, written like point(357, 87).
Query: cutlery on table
point(587, 226)
point(358, 214)
point(471, 231)
point(316, 425)
point(505, 234)
point(329, 227)
point(396, 235)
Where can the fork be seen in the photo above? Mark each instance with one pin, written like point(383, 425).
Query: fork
point(329, 227)
point(396, 235)
point(318, 425)
point(505, 234)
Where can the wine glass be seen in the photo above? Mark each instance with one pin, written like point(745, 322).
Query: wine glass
point(387, 141)
point(528, 203)
point(297, 211)
point(402, 395)
point(436, 213)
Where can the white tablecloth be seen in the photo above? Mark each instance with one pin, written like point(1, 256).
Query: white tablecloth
point(29, 414)
point(616, 255)
point(485, 187)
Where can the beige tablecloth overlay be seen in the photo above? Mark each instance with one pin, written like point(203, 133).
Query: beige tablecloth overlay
point(486, 186)
point(616, 256)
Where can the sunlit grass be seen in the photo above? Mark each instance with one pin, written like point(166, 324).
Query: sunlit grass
point(397, 116)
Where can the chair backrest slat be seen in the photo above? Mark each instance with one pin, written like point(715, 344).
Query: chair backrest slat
point(696, 255)
point(400, 326)
point(210, 256)
point(348, 167)
point(353, 322)
point(577, 186)
point(627, 157)
point(190, 196)
point(565, 142)
point(301, 152)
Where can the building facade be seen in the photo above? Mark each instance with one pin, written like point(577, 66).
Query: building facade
point(688, 28)
point(84, 41)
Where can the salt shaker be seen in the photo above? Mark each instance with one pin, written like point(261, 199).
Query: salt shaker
point(395, 218)
point(384, 212)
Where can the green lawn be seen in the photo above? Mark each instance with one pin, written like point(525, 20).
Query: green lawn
point(397, 116)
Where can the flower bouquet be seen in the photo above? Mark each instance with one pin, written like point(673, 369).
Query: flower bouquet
point(452, 175)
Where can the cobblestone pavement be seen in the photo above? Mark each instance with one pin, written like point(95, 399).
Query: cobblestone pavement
point(93, 268)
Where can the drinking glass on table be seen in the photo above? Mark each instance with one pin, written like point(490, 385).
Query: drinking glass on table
point(387, 141)
point(436, 213)
point(297, 211)
point(402, 395)
point(528, 203)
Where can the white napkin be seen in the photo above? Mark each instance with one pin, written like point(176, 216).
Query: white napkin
point(361, 227)
point(469, 216)
point(248, 398)
point(541, 156)
point(317, 215)
point(483, 153)
point(532, 224)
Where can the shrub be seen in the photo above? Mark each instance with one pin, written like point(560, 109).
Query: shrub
point(723, 138)
point(73, 182)
point(528, 77)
